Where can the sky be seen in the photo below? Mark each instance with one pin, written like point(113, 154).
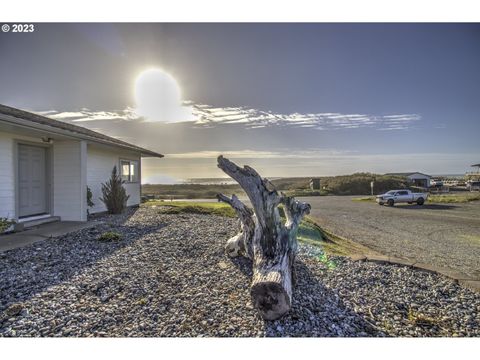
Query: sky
point(288, 99)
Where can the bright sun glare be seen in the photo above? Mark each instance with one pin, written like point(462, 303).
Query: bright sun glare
point(158, 97)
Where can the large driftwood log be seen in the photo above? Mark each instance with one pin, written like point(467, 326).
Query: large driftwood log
point(272, 245)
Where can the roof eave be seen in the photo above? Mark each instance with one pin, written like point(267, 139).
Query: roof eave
point(20, 122)
point(151, 154)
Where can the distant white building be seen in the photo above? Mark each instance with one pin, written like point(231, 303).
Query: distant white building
point(415, 178)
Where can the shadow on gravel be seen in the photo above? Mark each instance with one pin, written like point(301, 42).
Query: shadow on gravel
point(27, 271)
point(426, 207)
point(316, 312)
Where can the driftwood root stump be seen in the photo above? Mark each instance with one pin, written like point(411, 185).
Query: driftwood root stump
point(266, 239)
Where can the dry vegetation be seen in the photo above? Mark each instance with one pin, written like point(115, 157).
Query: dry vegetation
point(355, 184)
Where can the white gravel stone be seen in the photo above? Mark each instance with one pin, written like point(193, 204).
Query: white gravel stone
point(163, 279)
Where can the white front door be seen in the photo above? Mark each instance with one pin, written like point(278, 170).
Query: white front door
point(32, 180)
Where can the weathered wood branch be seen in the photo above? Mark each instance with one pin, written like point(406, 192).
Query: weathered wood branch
point(273, 243)
point(240, 244)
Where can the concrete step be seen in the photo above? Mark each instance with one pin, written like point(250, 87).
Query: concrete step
point(23, 225)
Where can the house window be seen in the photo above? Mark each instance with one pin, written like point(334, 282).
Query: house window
point(129, 170)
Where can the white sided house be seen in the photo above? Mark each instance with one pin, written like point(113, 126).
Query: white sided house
point(416, 178)
point(48, 164)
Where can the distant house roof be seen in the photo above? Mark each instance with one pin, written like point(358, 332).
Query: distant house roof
point(82, 132)
point(408, 174)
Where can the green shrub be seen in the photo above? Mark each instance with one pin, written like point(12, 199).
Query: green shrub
point(114, 194)
point(110, 236)
point(329, 263)
point(5, 223)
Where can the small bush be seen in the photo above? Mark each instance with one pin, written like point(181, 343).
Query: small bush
point(114, 194)
point(110, 236)
point(5, 223)
point(329, 263)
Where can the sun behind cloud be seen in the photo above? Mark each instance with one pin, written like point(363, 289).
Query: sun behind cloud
point(158, 97)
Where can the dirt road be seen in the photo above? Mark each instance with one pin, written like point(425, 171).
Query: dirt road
point(445, 235)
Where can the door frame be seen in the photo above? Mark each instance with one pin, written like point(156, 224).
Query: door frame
point(48, 174)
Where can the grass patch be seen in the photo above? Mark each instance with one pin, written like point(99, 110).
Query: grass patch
point(309, 232)
point(365, 198)
point(110, 236)
point(336, 245)
point(190, 191)
point(306, 192)
point(436, 199)
point(453, 198)
point(474, 238)
point(190, 207)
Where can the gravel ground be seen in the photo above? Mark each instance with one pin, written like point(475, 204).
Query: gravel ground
point(445, 235)
point(168, 276)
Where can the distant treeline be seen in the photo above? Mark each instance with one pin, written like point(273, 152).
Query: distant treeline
point(355, 184)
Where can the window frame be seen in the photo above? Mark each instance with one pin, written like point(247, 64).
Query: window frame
point(130, 162)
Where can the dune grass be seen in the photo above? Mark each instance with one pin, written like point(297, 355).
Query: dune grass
point(473, 238)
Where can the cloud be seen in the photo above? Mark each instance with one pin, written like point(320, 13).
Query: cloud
point(252, 118)
point(91, 115)
point(205, 116)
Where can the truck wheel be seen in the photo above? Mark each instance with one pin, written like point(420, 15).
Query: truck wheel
point(390, 202)
point(420, 201)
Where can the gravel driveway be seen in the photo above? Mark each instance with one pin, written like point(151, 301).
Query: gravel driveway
point(445, 235)
point(169, 276)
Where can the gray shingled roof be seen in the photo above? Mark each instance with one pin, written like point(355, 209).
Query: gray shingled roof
point(43, 120)
point(407, 173)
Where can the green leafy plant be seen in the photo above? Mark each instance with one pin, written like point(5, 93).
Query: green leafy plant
point(327, 261)
point(110, 236)
point(5, 224)
point(114, 195)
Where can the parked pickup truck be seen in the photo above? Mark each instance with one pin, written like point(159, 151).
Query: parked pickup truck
point(393, 197)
